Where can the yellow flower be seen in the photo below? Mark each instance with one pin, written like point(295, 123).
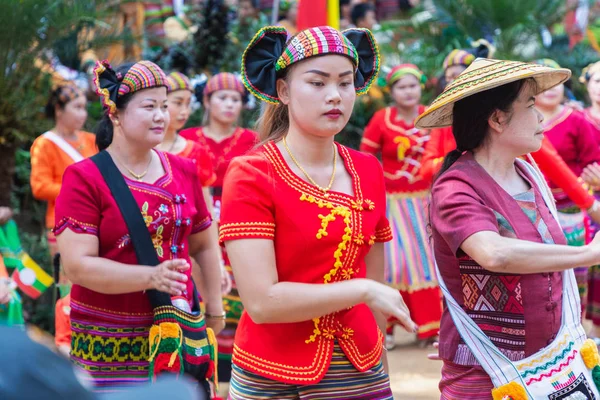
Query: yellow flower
point(510, 391)
point(589, 353)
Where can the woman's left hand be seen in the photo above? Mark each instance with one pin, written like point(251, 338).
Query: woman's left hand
point(591, 175)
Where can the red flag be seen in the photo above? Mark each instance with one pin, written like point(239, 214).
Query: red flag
point(311, 13)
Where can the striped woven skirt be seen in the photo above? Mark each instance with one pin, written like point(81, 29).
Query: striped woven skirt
point(233, 309)
point(460, 382)
point(111, 348)
point(342, 381)
point(409, 261)
point(572, 221)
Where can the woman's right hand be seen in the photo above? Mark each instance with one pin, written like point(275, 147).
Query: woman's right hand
point(168, 277)
point(389, 302)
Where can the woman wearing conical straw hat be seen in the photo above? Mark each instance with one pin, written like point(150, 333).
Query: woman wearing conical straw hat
point(499, 248)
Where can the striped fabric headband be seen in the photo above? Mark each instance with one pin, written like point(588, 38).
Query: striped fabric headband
point(269, 53)
point(458, 57)
point(405, 69)
point(110, 86)
point(224, 81)
point(178, 81)
point(314, 42)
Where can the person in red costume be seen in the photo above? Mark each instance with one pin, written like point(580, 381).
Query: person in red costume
point(409, 265)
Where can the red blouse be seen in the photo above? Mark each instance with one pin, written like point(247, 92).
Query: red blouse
point(441, 142)
point(318, 239)
point(222, 152)
point(574, 139)
point(401, 146)
point(203, 161)
point(173, 208)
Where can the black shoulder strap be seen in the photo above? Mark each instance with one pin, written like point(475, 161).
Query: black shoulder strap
point(138, 232)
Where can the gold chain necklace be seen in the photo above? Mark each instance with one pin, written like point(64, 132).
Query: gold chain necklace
point(311, 180)
point(139, 177)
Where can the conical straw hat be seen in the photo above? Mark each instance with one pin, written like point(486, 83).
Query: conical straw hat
point(484, 74)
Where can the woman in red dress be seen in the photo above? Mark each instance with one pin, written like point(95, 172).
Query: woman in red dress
point(111, 314)
point(304, 221)
point(409, 262)
point(223, 140)
point(576, 142)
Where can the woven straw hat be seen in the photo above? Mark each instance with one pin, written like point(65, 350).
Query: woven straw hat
point(484, 74)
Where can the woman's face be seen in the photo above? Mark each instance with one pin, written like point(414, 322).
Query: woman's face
point(225, 106)
point(320, 94)
point(593, 87)
point(452, 72)
point(146, 117)
point(179, 108)
point(74, 114)
point(551, 98)
point(406, 92)
point(523, 132)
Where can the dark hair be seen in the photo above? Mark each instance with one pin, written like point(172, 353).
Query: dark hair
point(359, 11)
point(470, 117)
point(104, 130)
point(59, 97)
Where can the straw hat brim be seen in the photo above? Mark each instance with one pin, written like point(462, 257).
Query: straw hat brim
point(485, 74)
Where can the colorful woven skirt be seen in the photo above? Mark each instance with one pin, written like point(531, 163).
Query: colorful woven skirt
point(342, 381)
point(409, 261)
point(460, 382)
point(572, 221)
point(111, 348)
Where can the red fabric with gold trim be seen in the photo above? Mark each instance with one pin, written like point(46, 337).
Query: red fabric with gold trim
point(401, 146)
point(264, 199)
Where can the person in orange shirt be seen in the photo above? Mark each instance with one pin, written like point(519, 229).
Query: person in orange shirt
point(55, 150)
point(62, 325)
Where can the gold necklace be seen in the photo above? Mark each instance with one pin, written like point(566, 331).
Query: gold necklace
point(311, 180)
point(139, 177)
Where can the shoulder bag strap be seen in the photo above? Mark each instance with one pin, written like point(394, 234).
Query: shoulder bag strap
point(138, 232)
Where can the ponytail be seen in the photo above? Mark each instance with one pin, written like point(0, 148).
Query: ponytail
point(274, 122)
point(104, 133)
point(450, 159)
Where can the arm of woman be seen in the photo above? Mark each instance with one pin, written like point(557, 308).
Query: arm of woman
point(79, 257)
point(376, 271)
point(269, 301)
point(372, 136)
point(514, 256)
point(41, 179)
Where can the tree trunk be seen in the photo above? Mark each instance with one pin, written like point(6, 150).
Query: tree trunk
point(7, 172)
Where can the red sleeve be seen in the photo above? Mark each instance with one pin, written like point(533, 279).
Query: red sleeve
point(373, 135)
point(248, 210)
point(383, 231)
point(457, 211)
point(587, 145)
point(557, 171)
point(78, 204)
point(433, 156)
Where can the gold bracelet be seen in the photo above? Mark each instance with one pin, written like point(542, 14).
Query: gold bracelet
point(221, 316)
